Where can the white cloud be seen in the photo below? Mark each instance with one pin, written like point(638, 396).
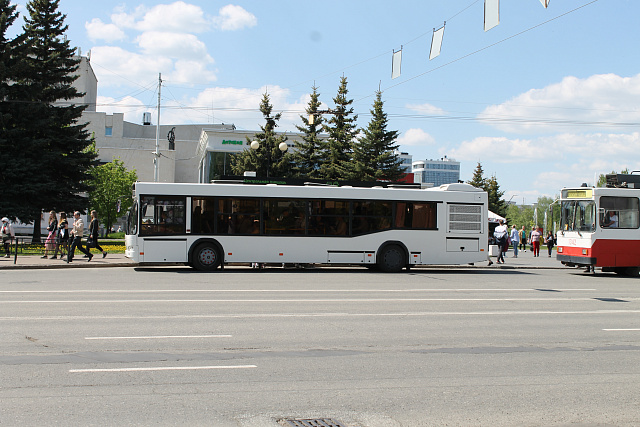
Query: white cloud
point(131, 107)
point(569, 147)
point(500, 150)
point(175, 45)
point(115, 66)
point(175, 17)
point(415, 138)
point(191, 71)
point(426, 109)
point(599, 101)
point(238, 106)
point(98, 30)
point(232, 17)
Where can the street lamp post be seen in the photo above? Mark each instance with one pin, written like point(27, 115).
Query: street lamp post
point(255, 145)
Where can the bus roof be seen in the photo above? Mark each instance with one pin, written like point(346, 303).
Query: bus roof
point(312, 191)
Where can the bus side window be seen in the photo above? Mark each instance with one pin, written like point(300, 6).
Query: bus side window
point(619, 212)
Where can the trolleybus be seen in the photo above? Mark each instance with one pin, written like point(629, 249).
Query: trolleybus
point(600, 227)
point(209, 225)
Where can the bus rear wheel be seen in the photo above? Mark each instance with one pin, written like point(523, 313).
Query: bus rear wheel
point(206, 257)
point(392, 259)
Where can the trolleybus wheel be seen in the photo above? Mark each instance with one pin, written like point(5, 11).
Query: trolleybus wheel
point(392, 259)
point(206, 257)
point(633, 271)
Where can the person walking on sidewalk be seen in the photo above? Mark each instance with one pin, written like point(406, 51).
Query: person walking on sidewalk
point(76, 238)
point(7, 236)
point(514, 240)
point(549, 241)
point(535, 241)
point(500, 233)
point(51, 242)
point(523, 239)
point(94, 226)
point(63, 237)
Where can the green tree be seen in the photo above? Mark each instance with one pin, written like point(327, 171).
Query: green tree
point(341, 130)
point(11, 65)
point(602, 179)
point(520, 215)
point(268, 160)
point(496, 202)
point(478, 180)
point(307, 157)
point(111, 191)
point(51, 163)
point(375, 155)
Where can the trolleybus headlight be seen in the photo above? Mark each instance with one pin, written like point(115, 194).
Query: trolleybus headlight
point(584, 252)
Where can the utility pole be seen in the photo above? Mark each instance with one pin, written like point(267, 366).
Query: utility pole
point(156, 154)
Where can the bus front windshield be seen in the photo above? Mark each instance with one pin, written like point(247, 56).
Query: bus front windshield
point(578, 215)
point(132, 219)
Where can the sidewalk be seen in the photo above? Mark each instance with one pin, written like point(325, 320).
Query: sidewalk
point(524, 260)
point(35, 262)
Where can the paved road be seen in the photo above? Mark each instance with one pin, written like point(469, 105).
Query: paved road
point(467, 346)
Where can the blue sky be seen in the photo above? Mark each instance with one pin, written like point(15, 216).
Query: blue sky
point(549, 98)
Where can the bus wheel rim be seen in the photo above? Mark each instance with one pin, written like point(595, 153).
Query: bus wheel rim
point(207, 256)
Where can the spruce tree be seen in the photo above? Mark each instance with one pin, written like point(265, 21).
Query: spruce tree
point(341, 130)
point(52, 160)
point(478, 180)
point(497, 204)
point(268, 160)
point(10, 63)
point(307, 157)
point(375, 155)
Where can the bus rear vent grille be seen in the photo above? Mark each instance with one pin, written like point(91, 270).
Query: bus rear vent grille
point(465, 218)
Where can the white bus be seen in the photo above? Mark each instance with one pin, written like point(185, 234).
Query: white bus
point(209, 225)
point(600, 227)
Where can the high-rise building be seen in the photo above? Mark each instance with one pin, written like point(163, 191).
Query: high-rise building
point(436, 172)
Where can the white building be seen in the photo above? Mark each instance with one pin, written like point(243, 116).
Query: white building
point(436, 172)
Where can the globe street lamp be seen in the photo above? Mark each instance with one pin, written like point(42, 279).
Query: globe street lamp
point(255, 145)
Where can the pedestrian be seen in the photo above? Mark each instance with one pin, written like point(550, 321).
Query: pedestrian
point(92, 241)
point(7, 236)
point(76, 238)
point(500, 233)
point(535, 241)
point(515, 239)
point(523, 239)
point(51, 243)
point(63, 237)
point(549, 241)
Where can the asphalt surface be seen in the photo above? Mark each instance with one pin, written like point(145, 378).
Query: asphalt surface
point(524, 260)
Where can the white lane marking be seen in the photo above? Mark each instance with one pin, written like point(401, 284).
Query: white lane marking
point(618, 330)
point(161, 368)
point(313, 300)
point(155, 291)
point(157, 337)
point(314, 315)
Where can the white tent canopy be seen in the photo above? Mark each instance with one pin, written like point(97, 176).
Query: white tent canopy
point(495, 217)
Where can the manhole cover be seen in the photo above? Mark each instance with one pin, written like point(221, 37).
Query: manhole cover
point(316, 422)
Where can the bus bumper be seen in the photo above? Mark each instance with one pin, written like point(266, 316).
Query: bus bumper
point(571, 260)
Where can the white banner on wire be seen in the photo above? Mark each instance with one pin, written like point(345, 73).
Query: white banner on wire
point(491, 14)
point(436, 43)
point(396, 63)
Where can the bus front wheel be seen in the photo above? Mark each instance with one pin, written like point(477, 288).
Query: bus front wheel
point(206, 257)
point(392, 259)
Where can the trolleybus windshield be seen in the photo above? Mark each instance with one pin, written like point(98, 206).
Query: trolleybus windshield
point(578, 215)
